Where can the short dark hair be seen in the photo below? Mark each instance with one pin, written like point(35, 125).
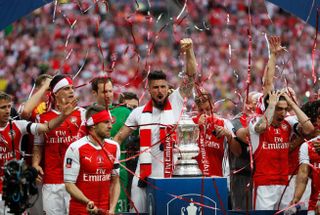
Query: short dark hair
point(5, 96)
point(157, 75)
point(312, 110)
point(266, 104)
point(127, 96)
point(93, 109)
point(202, 98)
point(99, 80)
point(40, 79)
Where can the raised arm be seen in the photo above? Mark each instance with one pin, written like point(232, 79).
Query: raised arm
point(191, 67)
point(305, 124)
point(275, 49)
point(265, 120)
point(34, 100)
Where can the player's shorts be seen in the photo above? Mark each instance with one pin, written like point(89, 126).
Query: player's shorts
point(55, 199)
point(267, 197)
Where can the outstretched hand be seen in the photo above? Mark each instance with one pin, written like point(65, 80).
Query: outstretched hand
point(68, 107)
point(275, 45)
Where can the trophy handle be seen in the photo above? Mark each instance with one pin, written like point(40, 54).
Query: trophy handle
point(183, 210)
point(199, 210)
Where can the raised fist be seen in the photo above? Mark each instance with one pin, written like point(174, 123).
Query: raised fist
point(186, 44)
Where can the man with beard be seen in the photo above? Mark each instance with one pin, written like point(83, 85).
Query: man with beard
point(156, 121)
point(52, 146)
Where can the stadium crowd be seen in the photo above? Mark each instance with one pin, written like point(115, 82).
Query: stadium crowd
point(94, 52)
point(38, 45)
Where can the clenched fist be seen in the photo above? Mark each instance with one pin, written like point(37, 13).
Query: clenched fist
point(186, 44)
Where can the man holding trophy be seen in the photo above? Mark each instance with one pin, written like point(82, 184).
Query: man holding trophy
point(156, 121)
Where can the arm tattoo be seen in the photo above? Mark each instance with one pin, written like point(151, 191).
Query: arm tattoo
point(265, 121)
point(269, 114)
point(187, 86)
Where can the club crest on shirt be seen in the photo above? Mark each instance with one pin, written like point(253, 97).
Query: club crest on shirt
point(284, 127)
point(100, 160)
point(73, 119)
point(68, 163)
point(12, 134)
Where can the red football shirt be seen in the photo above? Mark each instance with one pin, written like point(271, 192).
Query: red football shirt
point(308, 155)
point(56, 143)
point(19, 128)
point(212, 149)
point(270, 152)
point(90, 167)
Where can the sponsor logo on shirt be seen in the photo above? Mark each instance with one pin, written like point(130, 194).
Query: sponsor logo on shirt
point(277, 145)
point(99, 176)
point(62, 137)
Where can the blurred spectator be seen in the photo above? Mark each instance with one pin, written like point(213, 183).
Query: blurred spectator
point(132, 43)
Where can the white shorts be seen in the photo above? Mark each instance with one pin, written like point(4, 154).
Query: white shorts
point(267, 197)
point(288, 195)
point(138, 197)
point(311, 212)
point(55, 199)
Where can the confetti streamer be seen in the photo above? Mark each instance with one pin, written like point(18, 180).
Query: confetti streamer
point(54, 11)
point(182, 10)
point(314, 76)
point(83, 64)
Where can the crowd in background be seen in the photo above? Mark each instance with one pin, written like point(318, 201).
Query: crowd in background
point(133, 41)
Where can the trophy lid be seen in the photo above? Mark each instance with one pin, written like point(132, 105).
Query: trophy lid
point(185, 119)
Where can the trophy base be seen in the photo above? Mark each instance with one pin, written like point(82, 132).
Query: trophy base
point(187, 168)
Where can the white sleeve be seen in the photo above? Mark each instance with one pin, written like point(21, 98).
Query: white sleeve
point(38, 138)
point(82, 115)
point(293, 122)
point(254, 136)
point(131, 121)
point(71, 164)
point(116, 165)
point(27, 127)
point(228, 125)
point(304, 154)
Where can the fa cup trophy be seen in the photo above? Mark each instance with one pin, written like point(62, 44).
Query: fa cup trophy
point(188, 149)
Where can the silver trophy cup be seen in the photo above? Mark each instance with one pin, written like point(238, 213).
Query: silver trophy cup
point(188, 149)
